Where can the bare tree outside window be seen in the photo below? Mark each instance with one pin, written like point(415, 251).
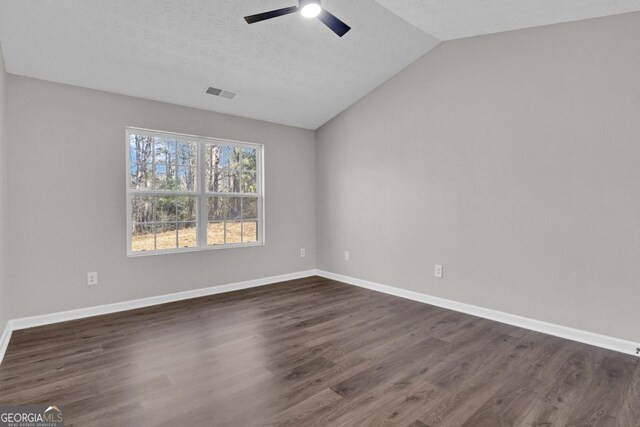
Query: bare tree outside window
point(165, 198)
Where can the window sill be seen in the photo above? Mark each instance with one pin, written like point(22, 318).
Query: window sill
point(131, 254)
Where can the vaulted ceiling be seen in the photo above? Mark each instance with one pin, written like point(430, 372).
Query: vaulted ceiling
point(454, 19)
point(288, 70)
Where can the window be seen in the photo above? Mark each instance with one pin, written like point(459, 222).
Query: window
point(187, 193)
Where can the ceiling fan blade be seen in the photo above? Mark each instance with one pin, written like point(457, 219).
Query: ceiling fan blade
point(271, 14)
point(336, 25)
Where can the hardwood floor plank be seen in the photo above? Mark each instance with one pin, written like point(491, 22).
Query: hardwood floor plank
point(507, 405)
point(306, 412)
point(630, 413)
point(604, 394)
point(314, 352)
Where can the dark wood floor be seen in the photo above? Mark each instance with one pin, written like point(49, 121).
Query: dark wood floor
point(314, 352)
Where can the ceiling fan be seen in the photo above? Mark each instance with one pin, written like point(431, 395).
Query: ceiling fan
point(308, 9)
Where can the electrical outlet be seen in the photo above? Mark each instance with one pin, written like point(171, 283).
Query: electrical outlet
point(638, 350)
point(303, 252)
point(346, 255)
point(437, 271)
point(92, 278)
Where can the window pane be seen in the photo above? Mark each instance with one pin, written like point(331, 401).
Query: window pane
point(141, 176)
point(160, 181)
point(225, 156)
point(187, 235)
point(186, 178)
point(166, 209)
point(186, 209)
point(222, 163)
point(166, 236)
point(165, 183)
point(249, 231)
point(233, 181)
point(249, 207)
point(221, 208)
point(215, 178)
point(217, 207)
point(233, 232)
point(215, 233)
point(165, 150)
point(237, 158)
point(142, 238)
point(142, 209)
point(133, 175)
point(213, 175)
point(140, 149)
point(187, 153)
point(248, 182)
point(249, 158)
point(234, 208)
point(213, 158)
point(228, 156)
point(140, 160)
point(224, 181)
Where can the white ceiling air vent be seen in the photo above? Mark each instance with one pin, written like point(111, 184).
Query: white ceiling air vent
point(220, 92)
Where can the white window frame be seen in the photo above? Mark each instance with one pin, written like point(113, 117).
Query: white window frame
point(201, 192)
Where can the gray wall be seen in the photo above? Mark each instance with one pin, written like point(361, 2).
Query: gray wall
point(3, 202)
point(513, 160)
point(66, 156)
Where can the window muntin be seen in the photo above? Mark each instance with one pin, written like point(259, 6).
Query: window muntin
point(177, 184)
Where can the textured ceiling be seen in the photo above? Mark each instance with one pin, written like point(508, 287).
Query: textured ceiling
point(454, 19)
point(288, 70)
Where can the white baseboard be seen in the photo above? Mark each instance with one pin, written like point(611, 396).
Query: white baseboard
point(63, 316)
point(591, 338)
point(4, 340)
point(616, 344)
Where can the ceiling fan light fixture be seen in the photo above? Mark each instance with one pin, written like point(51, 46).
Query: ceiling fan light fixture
point(308, 9)
point(311, 10)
